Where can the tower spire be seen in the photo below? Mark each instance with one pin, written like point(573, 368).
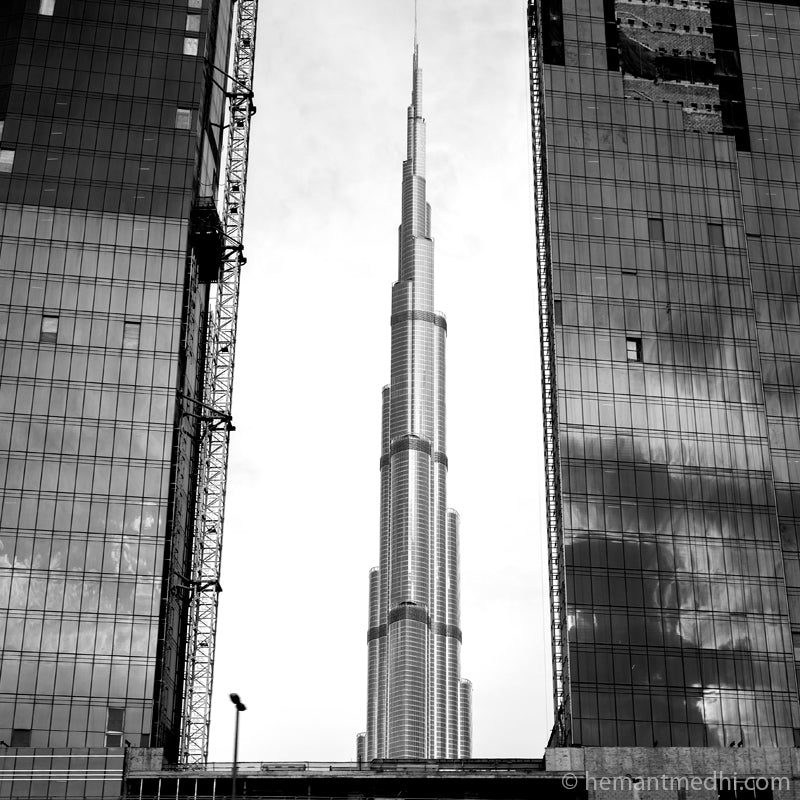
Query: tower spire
point(416, 123)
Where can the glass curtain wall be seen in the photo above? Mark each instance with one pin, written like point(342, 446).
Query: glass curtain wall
point(110, 133)
point(667, 173)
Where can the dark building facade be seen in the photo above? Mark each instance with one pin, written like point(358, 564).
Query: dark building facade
point(667, 174)
point(110, 135)
point(147, 778)
point(592, 773)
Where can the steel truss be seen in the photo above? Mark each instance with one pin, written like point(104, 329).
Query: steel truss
point(214, 413)
point(549, 393)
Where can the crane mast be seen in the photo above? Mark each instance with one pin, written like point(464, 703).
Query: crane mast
point(215, 423)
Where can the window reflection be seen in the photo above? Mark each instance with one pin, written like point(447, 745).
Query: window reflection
point(82, 526)
point(677, 516)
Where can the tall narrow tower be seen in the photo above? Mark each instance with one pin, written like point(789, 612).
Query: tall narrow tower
point(417, 705)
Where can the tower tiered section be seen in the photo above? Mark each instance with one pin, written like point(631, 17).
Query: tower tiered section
point(418, 706)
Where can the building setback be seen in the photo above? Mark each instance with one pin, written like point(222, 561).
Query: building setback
point(417, 704)
point(667, 176)
point(110, 134)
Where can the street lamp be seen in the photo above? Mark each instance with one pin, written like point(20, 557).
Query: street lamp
point(240, 706)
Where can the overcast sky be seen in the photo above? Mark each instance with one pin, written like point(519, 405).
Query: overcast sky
point(323, 205)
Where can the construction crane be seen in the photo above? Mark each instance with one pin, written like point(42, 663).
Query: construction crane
point(215, 422)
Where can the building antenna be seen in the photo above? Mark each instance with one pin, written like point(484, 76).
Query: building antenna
point(415, 25)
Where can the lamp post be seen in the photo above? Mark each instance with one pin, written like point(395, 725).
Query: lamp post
point(240, 706)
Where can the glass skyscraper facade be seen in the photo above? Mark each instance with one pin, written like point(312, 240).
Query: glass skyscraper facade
point(111, 120)
point(667, 178)
point(417, 704)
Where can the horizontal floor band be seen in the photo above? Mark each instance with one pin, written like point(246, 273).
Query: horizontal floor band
point(439, 628)
point(420, 316)
point(439, 457)
point(410, 442)
point(453, 631)
point(410, 611)
point(375, 632)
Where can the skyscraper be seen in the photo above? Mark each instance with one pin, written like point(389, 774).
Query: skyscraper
point(111, 121)
point(667, 177)
point(417, 704)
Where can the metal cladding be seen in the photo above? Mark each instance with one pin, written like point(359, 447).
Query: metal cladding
point(417, 705)
point(360, 741)
point(465, 720)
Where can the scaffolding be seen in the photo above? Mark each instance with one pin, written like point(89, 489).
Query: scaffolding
point(214, 413)
point(549, 395)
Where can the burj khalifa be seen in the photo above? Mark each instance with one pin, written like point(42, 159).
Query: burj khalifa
point(417, 704)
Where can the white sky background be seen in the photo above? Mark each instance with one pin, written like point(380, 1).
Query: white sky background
point(323, 206)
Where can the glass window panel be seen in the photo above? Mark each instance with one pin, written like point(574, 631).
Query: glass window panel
point(6, 160)
point(49, 329)
point(193, 22)
point(183, 118)
point(47, 7)
point(190, 46)
point(715, 236)
point(115, 721)
point(130, 335)
point(655, 229)
point(21, 737)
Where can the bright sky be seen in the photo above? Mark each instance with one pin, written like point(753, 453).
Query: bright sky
point(323, 206)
